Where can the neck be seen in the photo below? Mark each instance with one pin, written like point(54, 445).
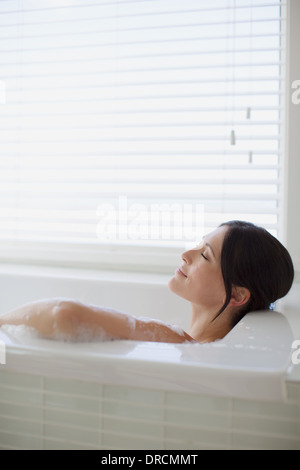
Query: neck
point(205, 329)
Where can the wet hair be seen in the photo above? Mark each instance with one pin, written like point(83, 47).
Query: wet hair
point(252, 258)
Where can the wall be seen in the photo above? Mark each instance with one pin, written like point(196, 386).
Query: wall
point(41, 413)
point(292, 175)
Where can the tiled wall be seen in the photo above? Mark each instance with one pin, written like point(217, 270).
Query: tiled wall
point(46, 413)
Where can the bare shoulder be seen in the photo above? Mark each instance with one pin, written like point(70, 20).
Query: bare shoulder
point(156, 331)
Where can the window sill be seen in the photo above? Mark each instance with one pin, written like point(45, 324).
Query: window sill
point(117, 258)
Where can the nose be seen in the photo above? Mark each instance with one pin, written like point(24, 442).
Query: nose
point(187, 256)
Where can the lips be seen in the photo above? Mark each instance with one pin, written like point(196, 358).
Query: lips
point(179, 270)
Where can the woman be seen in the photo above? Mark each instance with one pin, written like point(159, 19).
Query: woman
point(237, 268)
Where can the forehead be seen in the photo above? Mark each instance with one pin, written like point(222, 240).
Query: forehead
point(216, 238)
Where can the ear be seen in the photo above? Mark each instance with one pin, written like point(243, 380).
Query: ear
point(239, 296)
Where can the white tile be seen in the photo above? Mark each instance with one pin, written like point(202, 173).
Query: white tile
point(268, 409)
point(72, 418)
point(71, 402)
point(198, 419)
point(72, 387)
point(71, 434)
point(23, 411)
point(293, 393)
point(175, 445)
point(20, 426)
point(134, 395)
point(20, 395)
point(258, 442)
point(265, 426)
point(135, 411)
point(17, 379)
point(195, 437)
point(117, 441)
point(20, 441)
point(54, 444)
point(197, 402)
point(144, 429)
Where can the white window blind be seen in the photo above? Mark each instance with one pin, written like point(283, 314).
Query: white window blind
point(137, 124)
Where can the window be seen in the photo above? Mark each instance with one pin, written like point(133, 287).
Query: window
point(128, 129)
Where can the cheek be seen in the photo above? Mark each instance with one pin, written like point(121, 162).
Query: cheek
point(203, 286)
point(209, 286)
point(220, 292)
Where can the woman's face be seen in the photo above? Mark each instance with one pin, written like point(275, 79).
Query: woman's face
point(199, 279)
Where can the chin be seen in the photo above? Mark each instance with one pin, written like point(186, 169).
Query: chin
point(173, 286)
point(170, 284)
point(176, 288)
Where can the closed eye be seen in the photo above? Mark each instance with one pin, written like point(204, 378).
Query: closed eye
point(204, 257)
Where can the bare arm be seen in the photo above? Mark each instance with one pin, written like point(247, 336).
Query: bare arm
point(68, 319)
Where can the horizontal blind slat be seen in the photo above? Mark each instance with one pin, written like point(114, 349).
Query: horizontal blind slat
point(89, 4)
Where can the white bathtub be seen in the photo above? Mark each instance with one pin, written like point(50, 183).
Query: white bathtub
point(240, 392)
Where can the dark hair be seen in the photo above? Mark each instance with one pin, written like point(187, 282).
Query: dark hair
point(252, 258)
